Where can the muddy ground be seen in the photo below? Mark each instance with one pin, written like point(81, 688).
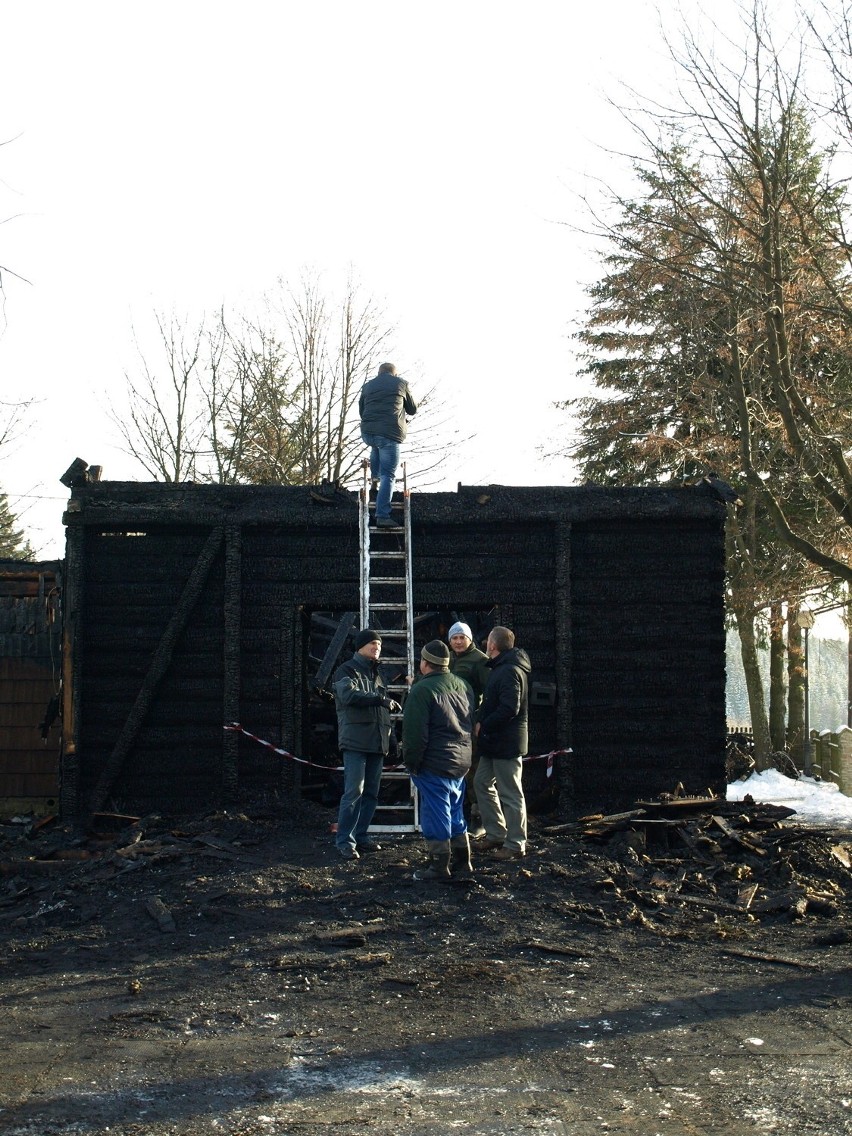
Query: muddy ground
point(229, 974)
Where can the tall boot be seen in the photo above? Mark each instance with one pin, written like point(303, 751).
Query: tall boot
point(438, 867)
point(460, 866)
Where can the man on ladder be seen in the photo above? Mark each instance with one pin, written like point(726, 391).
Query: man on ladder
point(383, 405)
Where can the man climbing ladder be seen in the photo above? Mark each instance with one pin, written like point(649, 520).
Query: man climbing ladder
point(383, 405)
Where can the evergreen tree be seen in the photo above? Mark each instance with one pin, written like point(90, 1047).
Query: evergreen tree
point(13, 544)
point(679, 344)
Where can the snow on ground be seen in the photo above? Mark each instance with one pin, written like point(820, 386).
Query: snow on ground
point(816, 802)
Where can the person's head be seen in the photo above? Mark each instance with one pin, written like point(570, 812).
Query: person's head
point(460, 637)
point(500, 639)
point(435, 657)
point(387, 369)
point(368, 643)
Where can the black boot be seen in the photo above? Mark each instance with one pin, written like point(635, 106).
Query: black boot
point(438, 867)
point(460, 866)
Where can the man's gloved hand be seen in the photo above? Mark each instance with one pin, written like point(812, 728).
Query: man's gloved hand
point(390, 704)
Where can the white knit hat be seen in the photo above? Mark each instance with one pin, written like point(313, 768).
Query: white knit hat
point(460, 629)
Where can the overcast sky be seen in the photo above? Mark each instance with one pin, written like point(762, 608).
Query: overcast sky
point(181, 155)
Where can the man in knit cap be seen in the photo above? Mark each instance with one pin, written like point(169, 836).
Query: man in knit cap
point(471, 664)
point(436, 747)
point(363, 709)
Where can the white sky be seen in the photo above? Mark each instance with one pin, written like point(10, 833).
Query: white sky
point(184, 154)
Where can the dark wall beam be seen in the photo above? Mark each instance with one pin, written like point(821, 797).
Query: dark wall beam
point(72, 622)
point(233, 631)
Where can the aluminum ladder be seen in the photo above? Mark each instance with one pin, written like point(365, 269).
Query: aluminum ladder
point(387, 606)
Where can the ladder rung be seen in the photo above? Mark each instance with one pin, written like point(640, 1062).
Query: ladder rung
point(387, 580)
point(388, 607)
point(387, 556)
point(393, 662)
point(396, 634)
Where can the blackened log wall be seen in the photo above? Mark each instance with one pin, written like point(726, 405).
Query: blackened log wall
point(30, 620)
point(617, 595)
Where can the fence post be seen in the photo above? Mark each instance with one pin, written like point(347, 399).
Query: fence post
point(844, 760)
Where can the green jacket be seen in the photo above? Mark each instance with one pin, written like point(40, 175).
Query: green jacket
point(472, 666)
point(436, 726)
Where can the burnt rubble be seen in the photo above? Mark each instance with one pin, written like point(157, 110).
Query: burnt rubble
point(676, 867)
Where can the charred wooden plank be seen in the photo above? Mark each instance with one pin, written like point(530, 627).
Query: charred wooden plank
point(757, 956)
point(732, 834)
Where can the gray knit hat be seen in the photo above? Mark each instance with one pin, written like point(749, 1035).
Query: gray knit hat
point(436, 654)
point(460, 629)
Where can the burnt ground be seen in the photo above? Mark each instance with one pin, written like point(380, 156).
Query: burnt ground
point(228, 974)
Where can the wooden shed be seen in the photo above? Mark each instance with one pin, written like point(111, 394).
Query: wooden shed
point(30, 672)
point(189, 607)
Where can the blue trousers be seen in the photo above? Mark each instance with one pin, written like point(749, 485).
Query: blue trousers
point(441, 806)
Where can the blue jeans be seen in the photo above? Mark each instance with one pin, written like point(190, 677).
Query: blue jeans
point(441, 806)
point(384, 458)
point(362, 775)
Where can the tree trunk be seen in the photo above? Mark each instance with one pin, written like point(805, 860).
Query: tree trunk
point(796, 680)
point(754, 688)
point(777, 677)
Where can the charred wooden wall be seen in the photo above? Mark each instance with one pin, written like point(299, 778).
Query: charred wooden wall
point(29, 681)
point(189, 606)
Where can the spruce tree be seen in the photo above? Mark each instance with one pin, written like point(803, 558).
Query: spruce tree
point(13, 543)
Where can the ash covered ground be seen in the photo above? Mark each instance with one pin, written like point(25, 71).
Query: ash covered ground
point(683, 970)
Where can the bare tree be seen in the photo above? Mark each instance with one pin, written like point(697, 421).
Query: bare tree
point(166, 419)
point(271, 401)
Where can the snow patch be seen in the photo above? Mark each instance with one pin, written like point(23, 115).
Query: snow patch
point(816, 802)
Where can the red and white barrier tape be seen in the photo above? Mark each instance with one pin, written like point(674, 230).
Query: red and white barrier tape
point(236, 728)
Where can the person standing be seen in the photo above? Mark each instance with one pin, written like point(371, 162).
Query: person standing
point(383, 405)
point(471, 664)
point(436, 748)
point(501, 732)
point(363, 709)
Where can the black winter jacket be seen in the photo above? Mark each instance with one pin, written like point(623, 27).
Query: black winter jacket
point(383, 405)
point(505, 706)
point(363, 720)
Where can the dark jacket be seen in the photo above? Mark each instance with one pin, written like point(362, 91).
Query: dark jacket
point(472, 666)
point(436, 726)
point(505, 705)
point(360, 698)
point(383, 405)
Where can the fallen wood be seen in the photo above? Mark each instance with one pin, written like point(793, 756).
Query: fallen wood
point(692, 845)
point(746, 896)
point(160, 914)
point(716, 904)
point(554, 948)
point(757, 956)
point(34, 867)
point(348, 936)
point(732, 834)
point(780, 901)
point(584, 822)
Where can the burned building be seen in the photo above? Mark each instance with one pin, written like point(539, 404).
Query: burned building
point(30, 674)
point(190, 607)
